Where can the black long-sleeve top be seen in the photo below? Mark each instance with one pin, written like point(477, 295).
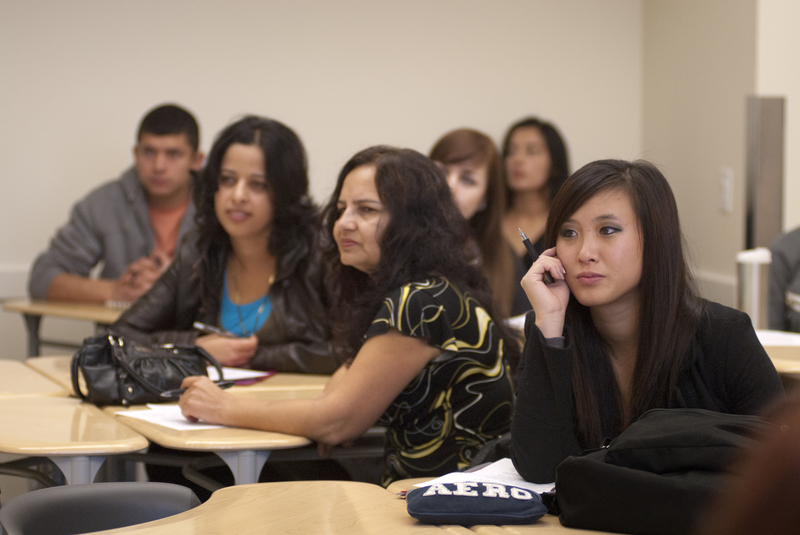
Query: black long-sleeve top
point(727, 371)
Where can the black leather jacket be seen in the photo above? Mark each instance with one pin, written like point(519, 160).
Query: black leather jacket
point(295, 337)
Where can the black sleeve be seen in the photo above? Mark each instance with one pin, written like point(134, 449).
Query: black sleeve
point(542, 430)
point(296, 336)
point(751, 381)
point(781, 272)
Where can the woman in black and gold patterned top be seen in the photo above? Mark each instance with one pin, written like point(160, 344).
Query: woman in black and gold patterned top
point(412, 321)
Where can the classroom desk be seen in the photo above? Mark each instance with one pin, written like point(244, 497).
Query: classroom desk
point(244, 450)
point(18, 380)
point(237, 447)
point(319, 507)
point(32, 312)
point(75, 436)
point(785, 358)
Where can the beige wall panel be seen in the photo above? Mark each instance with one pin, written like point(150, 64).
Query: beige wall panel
point(699, 69)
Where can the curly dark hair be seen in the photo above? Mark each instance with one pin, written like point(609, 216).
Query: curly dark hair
point(426, 235)
point(293, 213)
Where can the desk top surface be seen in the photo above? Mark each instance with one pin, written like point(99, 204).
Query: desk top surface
point(18, 380)
point(320, 507)
point(81, 311)
point(62, 426)
point(226, 438)
point(785, 358)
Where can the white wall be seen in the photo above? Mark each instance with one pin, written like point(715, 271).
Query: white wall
point(778, 74)
point(76, 77)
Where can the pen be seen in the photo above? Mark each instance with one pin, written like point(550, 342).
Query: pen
point(210, 329)
point(178, 391)
point(547, 278)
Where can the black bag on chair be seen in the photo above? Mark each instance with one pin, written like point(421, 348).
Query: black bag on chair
point(657, 476)
point(123, 373)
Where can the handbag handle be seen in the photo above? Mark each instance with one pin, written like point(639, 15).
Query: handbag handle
point(77, 358)
point(142, 381)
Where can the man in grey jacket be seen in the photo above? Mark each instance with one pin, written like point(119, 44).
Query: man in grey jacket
point(132, 224)
point(784, 283)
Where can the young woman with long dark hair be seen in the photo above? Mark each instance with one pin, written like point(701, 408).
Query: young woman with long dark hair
point(413, 322)
point(536, 164)
point(621, 330)
point(251, 267)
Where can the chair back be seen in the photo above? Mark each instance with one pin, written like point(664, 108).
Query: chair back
point(73, 509)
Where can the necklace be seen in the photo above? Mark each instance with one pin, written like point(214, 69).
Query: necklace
point(258, 312)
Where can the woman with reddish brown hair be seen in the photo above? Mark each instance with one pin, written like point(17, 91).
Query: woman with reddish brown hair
point(474, 173)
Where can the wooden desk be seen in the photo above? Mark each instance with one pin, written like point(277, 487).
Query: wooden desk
point(244, 450)
point(319, 507)
point(785, 358)
point(76, 436)
point(32, 312)
point(18, 380)
point(288, 382)
point(237, 449)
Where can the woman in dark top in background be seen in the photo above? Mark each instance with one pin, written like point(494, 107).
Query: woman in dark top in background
point(621, 329)
point(251, 267)
point(475, 176)
point(413, 319)
point(536, 164)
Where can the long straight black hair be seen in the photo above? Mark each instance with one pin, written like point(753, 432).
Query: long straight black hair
point(669, 309)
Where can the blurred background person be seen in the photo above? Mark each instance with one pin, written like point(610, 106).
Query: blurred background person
point(474, 173)
point(536, 164)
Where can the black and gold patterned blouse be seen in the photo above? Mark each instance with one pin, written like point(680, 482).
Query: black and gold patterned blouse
point(462, 399)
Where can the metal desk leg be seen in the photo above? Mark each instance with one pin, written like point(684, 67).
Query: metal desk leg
point(32, 322)
point(79, 469)
point(245, 465)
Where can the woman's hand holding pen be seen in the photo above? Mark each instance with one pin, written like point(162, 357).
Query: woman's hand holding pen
point(228, 351)
point(549, 301)
point(204, 400)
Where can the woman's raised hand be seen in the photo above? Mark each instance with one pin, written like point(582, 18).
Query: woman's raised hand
point(549, 301)
point(235, 352)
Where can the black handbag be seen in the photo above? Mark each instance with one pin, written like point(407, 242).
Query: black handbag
point(118, 372)
point(659, 475)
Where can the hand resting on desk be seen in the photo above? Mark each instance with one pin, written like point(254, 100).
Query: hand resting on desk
point(203, 399)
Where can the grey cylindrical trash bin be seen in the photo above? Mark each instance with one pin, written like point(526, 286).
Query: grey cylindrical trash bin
point(753, 282)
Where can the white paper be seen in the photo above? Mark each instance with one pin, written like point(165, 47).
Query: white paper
point(502, 472)
point(234, 374)
point(778, 338)
point(168, 416)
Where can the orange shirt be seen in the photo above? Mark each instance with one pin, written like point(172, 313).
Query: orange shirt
point(166, 224)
